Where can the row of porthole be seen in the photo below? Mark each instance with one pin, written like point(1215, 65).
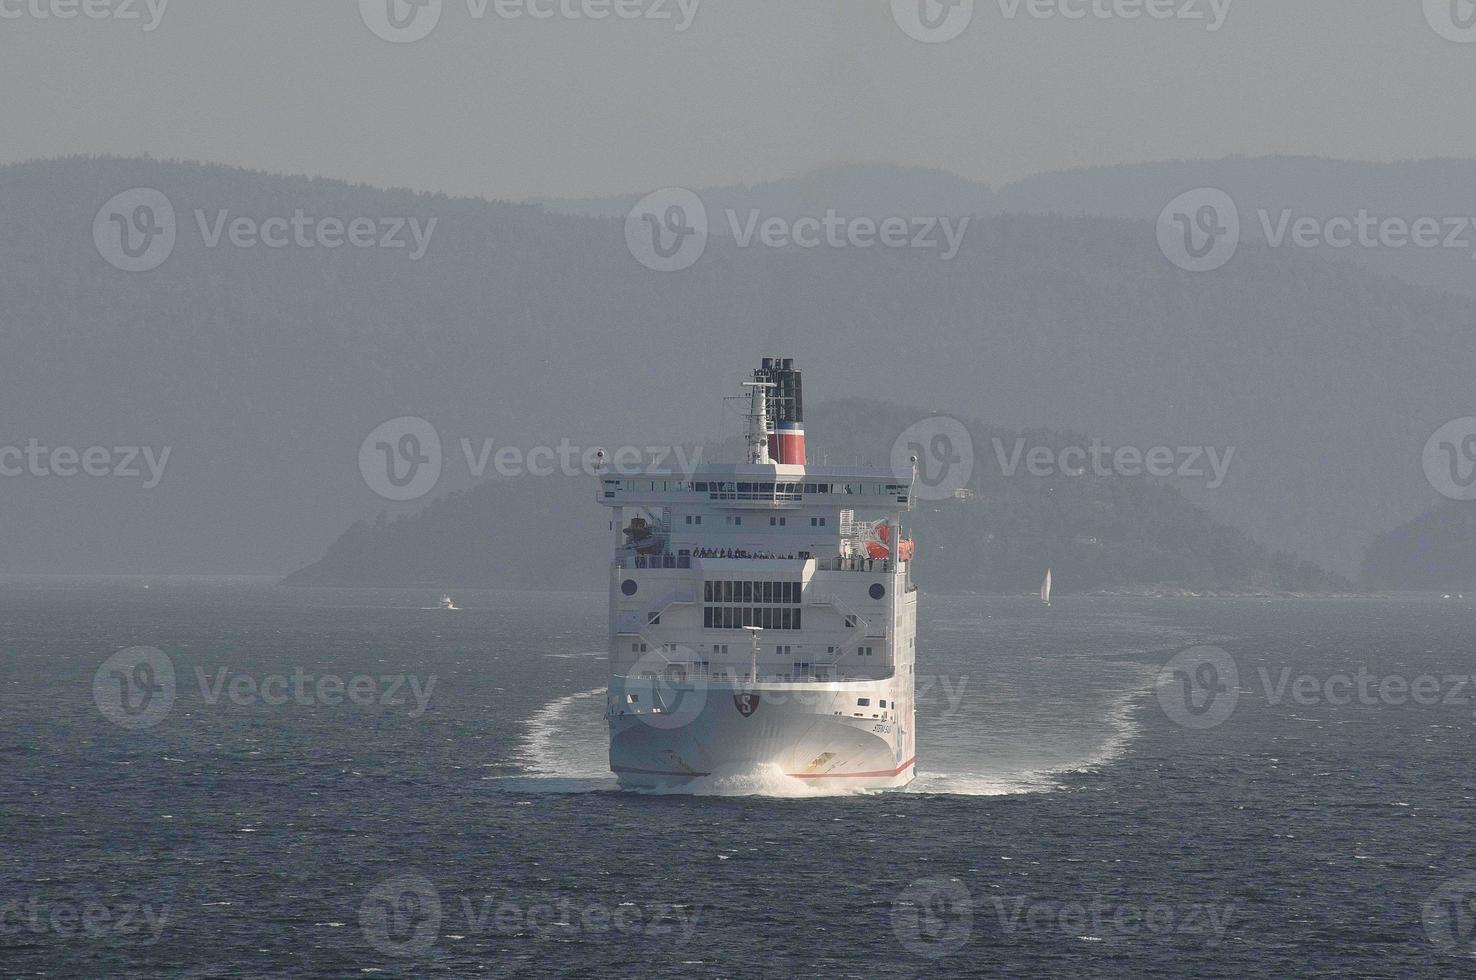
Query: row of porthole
point(629, 587)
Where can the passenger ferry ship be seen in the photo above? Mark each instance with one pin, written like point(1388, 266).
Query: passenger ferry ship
point(762, 621)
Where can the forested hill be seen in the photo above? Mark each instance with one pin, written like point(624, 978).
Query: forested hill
point(1435, 551)
point(1095, 532)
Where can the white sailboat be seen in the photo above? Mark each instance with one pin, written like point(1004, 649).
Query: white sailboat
point(1045, 588)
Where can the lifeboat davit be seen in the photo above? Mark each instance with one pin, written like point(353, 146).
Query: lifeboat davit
point(878, 544)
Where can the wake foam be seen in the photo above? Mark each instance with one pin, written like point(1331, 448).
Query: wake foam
point(564, 749)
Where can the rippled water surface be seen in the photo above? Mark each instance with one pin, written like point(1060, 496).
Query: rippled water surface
point(454, 816)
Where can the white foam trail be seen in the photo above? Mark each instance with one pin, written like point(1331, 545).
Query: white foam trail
point(770, 780)
point(565, 752)
point(564, 749)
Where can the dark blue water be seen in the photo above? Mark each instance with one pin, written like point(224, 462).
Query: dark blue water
point(1069, 820)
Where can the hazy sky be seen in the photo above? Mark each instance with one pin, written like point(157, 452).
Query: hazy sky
point(750, 90)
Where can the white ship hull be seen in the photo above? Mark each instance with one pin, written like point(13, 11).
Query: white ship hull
point(763, 618)
point(812, 734)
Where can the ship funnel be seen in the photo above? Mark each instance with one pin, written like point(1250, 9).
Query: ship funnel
point(786, 410)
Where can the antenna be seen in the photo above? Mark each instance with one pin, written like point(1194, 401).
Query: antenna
point(754, 632)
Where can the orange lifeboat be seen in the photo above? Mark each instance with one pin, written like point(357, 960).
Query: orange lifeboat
point(878, 544)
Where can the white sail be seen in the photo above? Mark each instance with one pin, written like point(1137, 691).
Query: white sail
point(1045, 588)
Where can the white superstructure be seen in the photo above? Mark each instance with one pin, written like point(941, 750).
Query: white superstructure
point(762, 615)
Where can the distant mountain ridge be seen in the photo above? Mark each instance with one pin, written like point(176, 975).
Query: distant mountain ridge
point(265, 368)
point(1436, 550)
point(1300, 186)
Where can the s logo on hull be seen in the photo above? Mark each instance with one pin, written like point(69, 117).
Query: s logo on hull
point(746, 704)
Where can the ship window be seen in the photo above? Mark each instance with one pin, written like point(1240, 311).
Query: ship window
point(632, 698)
point(698, 519)
point(628, 587)
point(822, 522)
point(878, 590)
point(707, 617)
point(783, 522)
point(773, 521)
point(863, 702)
point(689, 518)
point(882, 703)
